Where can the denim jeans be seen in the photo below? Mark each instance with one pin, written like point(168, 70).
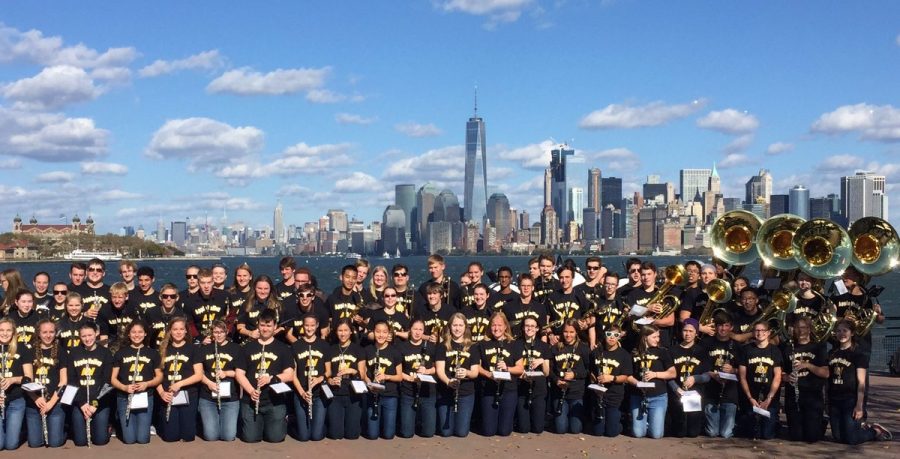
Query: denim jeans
point(531, 419)
point(720, 419)
point(426, 416)
point(268, 425)
point(570, 420)
point(11, 431)
point(219, 424)
point(844, 428)
point(653, 422)
point(182, 423)
point(498, 420)
point(756, 426)
point(455, 424)
point(99, 424)
point(385, 424)
point(344, 415)
point(610, 425)
point(806, 422)
point(137, 428)
point(56, 420)
point(306, 429)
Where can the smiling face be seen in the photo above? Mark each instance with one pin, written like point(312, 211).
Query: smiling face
point(6, 332)
point(137, 334)
point(498, 327)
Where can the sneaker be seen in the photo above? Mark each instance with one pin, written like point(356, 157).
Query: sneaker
point(881, 434)
point(152, 430)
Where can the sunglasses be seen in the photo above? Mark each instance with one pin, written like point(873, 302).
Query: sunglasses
point(399, 274)
point(613, 334)
point(306, 295)
point(60, 292)
point(388, 295)
point(593, 268)
point(190, 276)
point(95, 270)
point(169, 296)
point(634, 270)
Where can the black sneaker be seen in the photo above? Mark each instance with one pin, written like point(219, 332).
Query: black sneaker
point(881, 434)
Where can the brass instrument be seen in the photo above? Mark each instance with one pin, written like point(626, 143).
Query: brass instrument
point(822, 325)
point(733, 237)
point(719, 292)
point(784, 300)
point(876, 246)
point(822, 248)
point(774, 242)
point(675, 275)
point(863, 318)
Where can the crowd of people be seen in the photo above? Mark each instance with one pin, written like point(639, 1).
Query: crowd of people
point(261, 360)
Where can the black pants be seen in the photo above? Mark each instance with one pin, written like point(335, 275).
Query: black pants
point(345, 417)
point(680, 424)
point(806, 422)
point(531, 419)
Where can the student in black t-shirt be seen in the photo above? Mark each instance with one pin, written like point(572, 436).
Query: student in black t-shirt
point(381, 364)
point(417, 398)
point(182, 369)
point(50, 360)
point(807, 367)
point(310, 353)
point(846, 388)
point(89, 371)
point(24, 316)
point(652, 364)
point(760, 377)
point(435, 314)
point(456, 365)
point(219, 413)
point(499, 353)
point(345, 409)
point(307, 304)
point(388, 313)
point(720, 395)
point(531, 407)
point(69, 326)
point(610, 312)
point(17, 369)
point(135, 371)
point(610, 367)
point(525, 306)
point(568, 373)
point(690, 361)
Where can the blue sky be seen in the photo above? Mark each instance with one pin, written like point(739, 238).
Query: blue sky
point(180, 109)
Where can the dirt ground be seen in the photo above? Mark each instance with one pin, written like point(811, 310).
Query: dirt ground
point(885, 408)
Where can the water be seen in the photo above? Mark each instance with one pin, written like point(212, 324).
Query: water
point(886, 337)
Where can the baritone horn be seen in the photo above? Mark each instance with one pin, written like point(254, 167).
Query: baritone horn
point(822, 325)
point(675, 275)
point(822, 248)
point(876, 247)
point(719, 292)
point(734, 237)
point(784, 300)
point(774, 242)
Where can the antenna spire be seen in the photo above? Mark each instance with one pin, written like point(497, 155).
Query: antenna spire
point(476, 101)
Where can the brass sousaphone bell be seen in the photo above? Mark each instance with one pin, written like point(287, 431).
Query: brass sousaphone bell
point(774, 241)
point(733, 237)
point(822, 248)
point(876, 246)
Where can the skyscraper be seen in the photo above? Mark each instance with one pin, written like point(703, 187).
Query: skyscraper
point(499, 215)
point(548, 187)
point(278, 224)
point(559, 192)
point(593, 197)
point(759, 188)
point(424, 209)
point(576, 204)
point(862, 195)
point(798, 203)
point(393, 231)
point(405, 198)
point(693, 182)
point(475, 192)
point(611, 192)
point(337, 220)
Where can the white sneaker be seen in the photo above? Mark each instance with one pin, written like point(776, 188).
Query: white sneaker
point(152, 430)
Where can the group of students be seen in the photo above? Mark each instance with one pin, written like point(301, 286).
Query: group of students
point(380, 359)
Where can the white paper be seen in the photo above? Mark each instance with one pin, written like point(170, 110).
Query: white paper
point(761, 412)
point(32, 387)
point(180, 398)
point(597, 388)
point(426, 378)
point(280, 387)
point(728, 376)
point(224, 390)
point(839, 285)
point(690, 402)
point(68, 395)
point(502, 376)
point(358, 386)
point(644, 321)
point(637, 310)
point(140, 401)
point(759, 283)
point(375, 387)
point(645, 385)
point(534, 374)
point(326, 391)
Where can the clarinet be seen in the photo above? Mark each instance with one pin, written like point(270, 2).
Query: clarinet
point(497, 353)
point(456, 363)
point(87, 427)
point(376, 402)
point(722, 391)
point(262, 361)
point(528, 357)
point(601, 412)
point(795, 386)
point(217, 366)
point(565, 389)
point(418, 387)
point(3, 362)
point(645, 404)
point(134, 377)
point(309, 382)
point(177, 373)
point(44, 418)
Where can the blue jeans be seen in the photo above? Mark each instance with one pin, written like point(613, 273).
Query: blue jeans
point(137, 428)
point(720, 419)
point(344, 413)
point(426, 415)
point(570, 420)
point(759, 427)
point(499, 420)
point(455, 424)
point(219, 424)
point(99, 424)
point(610, 425)
point(268, 425)
point(182, 424)
point(653, 422)
point(307, 430)
point(11, 431)
point(531, 419)
point(56, 420)
point(844, 428)
point(386, 422)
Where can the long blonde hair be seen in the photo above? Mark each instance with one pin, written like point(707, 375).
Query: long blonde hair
point(13, 342)
point(387, 278)
point(167, 339)
point(36, 344)
point(507, 334)
point(467, 333)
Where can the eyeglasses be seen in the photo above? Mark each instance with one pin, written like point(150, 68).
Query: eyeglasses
point(166, 296)
point(399, 274)
point(388, 295)
point(593, 268)
point(634, 271)
point(306, 295)
point(613, 334)
point(60, 292)
point(190, 276)
point(95, 270)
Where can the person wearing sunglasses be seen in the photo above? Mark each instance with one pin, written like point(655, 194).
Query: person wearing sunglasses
point(158, 318)
point(610, 366)
point(97, 293)
point(307, 304)
point(407, 297)
point(633, 271)
point(192, 280)
point(57, 305)
point(592, 287)
point(388, 313)
point(690, 368)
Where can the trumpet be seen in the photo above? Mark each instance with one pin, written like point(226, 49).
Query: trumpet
point(134, 377)
point(675, 275)
point(719, 292)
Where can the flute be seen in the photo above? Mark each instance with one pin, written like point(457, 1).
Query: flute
point(309, 382)
point(3, 361)
point(216, 367)
point(44, 419)
point(178, 375)
point(377, 398)
point(134, 377)
point(458, 382)
point(262, 362)
point(87, 427)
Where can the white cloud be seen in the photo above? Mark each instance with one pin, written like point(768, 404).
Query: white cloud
point(303, 149)
point(497, 11)
point(778, 148)
point(441, 165)
point(729, 121)
point(628, 116)
point(118, 75)
point(299, 159)
point(293, 190)
point(734, 160)
point(207, 60)
point(357, 182)
point(10, 163)
point(324, 96)
point(873, 122)
point(115, 195)
point(53, 88)
point(247, 82)
point(532, 156)
point(33, 46)
point(55, 177)
point(101, 168)
point(617, 160)
point(50, 137)
point(412, 129)
point(195, 205)
point(898, 40)
point(738, 144)
point(350, 118)
point(204, 139)
point(842, 164)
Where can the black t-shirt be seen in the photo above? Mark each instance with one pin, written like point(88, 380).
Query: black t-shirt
point(608, 313)
point(531, 351)
point(141, 303)
point(842, 365)
point(761, 364)
point(68, 331)
point(641, 297)
point(655, 359)
point(46, 372)
point(453, 358)
point(178, 365)
point(435, 321)
point(479, 321)
point(383, 361)
point(317, 309)
point(136, 365)
point(397, 321)
point(806, 307)
point(516, 312)
point(543, 288)
point(286, 293)
point(564, 306)
point(158, 319)
point(255, 363)
point(112, 321)
point(88, 370)
point(489, 353)
point(250, 318)
point(567, 358)
point(345, 357)
point(451, 293)
point(843, 303)
point(236, 300)
point(689, 362)
point(95, 297)
point(743, 322)
point(342, 306)
point(718, 353)
point(407, 299)
point(615, 363)
point(813, 353)
point(592, 295)
point(309, 360)
point(417, 356)
point(204, 310)
point(498, 301)
point(13, 367)
point(693, 299)
point(229, 355)
point(26, 327)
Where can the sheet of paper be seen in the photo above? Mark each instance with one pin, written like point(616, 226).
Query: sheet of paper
point(326, 391)
point(426, 378)
point(839, 285)
point(181, 398)
point(644, 321)
point(358, 386)
point(645, 385)
point(637, 310)
point(728, 376)
point(32, 387)
point(534, 374)
point(597, 388)
point(691, 402)
point(68, 395)
point(140, 401)
point(502, 376)
point(375, 387)
point(761, 412)
point(280, 388)
point(224, 390)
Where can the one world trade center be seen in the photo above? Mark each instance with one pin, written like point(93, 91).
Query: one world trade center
point(475, 193)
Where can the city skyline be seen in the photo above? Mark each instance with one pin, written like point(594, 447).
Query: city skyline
point(233, 113)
